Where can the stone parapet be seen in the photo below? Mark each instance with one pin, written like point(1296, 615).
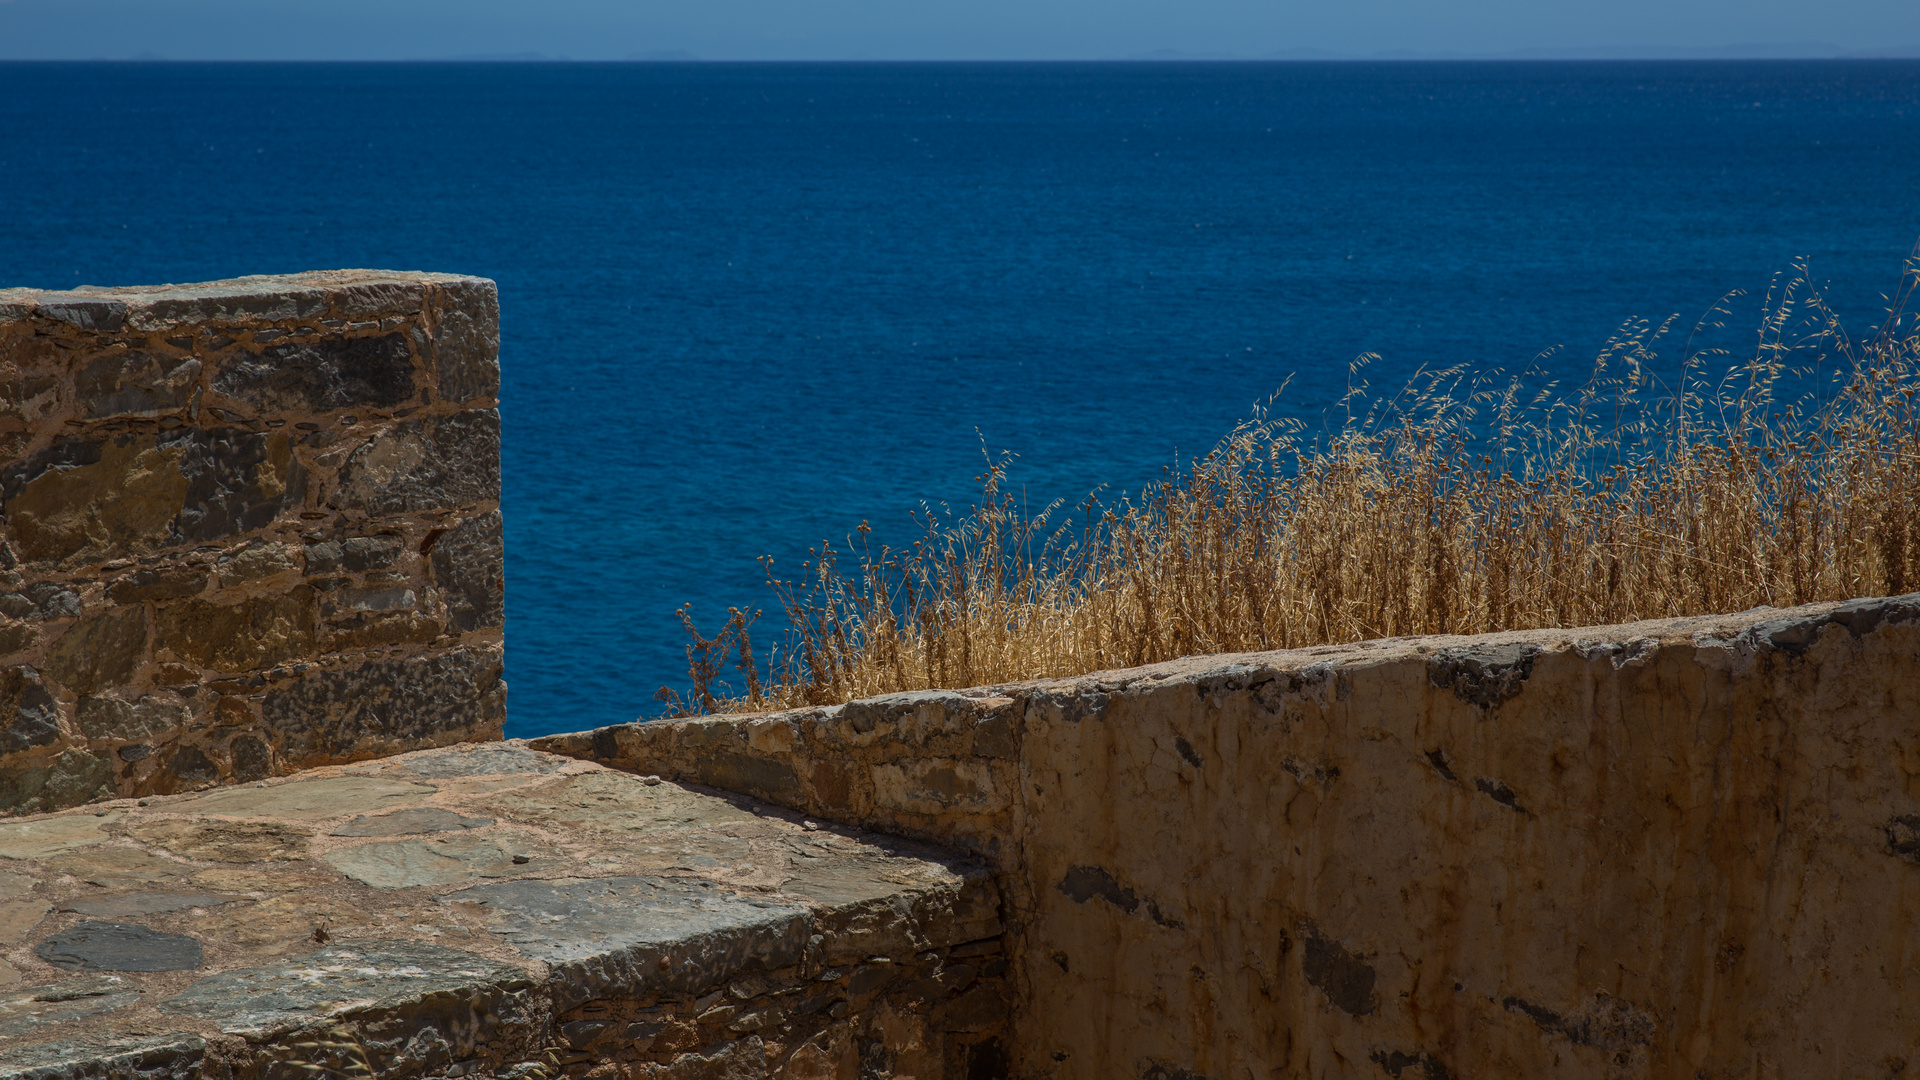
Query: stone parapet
point(1679, 849)
point(488, 911)
point(246, 527)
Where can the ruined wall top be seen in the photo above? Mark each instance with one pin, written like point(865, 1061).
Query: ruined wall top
point(246, 526)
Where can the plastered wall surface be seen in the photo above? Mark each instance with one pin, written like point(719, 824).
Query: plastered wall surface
point(245, 527)
point(1685, 849)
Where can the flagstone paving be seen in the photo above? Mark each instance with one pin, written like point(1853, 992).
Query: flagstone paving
point(483, 910)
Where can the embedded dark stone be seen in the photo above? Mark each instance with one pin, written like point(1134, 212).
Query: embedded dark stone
point(25, 1010)
point(1438, 759)
point(27, 711)
point(363, 553)
point(146, 903)
point(1483, 675)
point(164, 1057)
point(1187, 752)
point(135, 752)
point(412, 700)
point(632, 935)
point(237, 481)
point(1345, 978)
point(1903, 838)
point(466, 341)
point(1499, 792)
point(100, 651)
point(1167, 1070)
point(1396, 1064)
point(136, 384)
point(73, 778)
point(325, 375)
point(111, 718)
point(191, 768)
point(424, 819)
point(113, 946)
point(159, 583)
point(1606, 1023)
point(1083, 883)
point(40, 602)
point(468, 566)
point(436, 463)
point(252, 759)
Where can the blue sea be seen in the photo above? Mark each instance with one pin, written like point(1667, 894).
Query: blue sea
point(747, 306)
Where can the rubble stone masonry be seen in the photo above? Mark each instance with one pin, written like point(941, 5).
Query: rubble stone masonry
point(246, 528)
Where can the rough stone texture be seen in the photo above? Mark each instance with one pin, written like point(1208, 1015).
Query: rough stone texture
point(559, 918)
point(245, 527)
point(1683, 849)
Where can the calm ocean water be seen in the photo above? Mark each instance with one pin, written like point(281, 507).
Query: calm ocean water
point(747, 306)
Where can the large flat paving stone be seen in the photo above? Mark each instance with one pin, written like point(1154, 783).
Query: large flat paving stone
point(360, 976)
point(470, 911)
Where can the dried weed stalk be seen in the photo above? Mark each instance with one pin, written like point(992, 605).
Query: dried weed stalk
point(1462, 504)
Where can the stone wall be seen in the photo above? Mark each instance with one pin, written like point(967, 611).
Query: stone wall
point(245, 527)
point(1685, 849)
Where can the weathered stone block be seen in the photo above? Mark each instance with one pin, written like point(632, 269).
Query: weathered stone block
point(255, 633)
point(237, 481)
point(158, 583)
point(322, 375)
point(430, 464)
point(100, 651)
point(72, 778)
point(369, 629)
point(130, 383)
point(466, 340)
point(362, 553)
point(102, 717)
point(87, 313)
point(469, 568)
point(88, 501)
point(29, 716)
point(261, 559)
point(387, 704)
point(252, 758)
point(41, 601)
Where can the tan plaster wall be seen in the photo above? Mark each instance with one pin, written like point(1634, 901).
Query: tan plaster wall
point(245, 527)
point(1685, 849)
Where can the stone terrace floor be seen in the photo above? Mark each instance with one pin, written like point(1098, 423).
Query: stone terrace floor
point(482, 910)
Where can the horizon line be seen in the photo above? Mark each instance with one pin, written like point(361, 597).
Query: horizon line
point(1303, 56)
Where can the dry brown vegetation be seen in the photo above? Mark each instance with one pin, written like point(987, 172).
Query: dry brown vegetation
point(1465, 503)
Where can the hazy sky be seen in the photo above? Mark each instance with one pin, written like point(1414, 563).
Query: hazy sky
point(943, 29)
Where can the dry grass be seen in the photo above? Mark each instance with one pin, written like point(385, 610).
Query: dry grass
point(1465, 503)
